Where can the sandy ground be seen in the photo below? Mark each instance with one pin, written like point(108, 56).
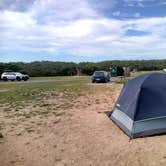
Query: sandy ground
point(80, 135)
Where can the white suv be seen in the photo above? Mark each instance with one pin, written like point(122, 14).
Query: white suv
point(14, 76)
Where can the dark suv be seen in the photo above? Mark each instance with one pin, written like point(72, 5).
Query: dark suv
point(100, 77)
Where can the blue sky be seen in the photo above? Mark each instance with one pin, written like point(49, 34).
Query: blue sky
point(85, 30)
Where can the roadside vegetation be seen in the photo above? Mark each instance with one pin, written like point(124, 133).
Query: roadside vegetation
point(46, 68)
point(145, 72)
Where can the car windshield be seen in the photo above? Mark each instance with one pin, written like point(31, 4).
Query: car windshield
point(99, 73)
point(19, 74)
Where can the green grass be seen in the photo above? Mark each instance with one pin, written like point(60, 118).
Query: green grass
point(123, 81)
point(144, 72)
point(136, 74)
point(30, 92)
point(60, 78)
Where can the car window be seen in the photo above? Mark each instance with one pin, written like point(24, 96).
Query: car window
point(11, 73)
point(99, 74)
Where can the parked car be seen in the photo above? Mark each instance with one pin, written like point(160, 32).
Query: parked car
point(164, 70)
point(12, 76)
point(100, 77)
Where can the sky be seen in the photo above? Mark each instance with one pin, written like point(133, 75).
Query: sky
point(82, 30)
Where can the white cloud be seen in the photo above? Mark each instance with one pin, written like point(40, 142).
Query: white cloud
point(81, 31)
point(49, 11)
point(137, 15)
point(117, 13)
point(15, 19)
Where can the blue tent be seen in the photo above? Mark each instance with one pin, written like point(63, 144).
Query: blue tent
point(141, 107)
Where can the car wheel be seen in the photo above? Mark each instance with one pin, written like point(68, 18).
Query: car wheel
point(5, 79)
point(25, 79)
point(18, 78)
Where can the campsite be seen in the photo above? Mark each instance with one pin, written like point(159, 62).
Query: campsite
point(66, 123)
point(82, 82)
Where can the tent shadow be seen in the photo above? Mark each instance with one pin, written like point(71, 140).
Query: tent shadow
point(155, 135)
point(108, 113)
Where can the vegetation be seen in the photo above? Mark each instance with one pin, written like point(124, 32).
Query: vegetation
point(46, 68)
point(32, 92)
point(135, 74)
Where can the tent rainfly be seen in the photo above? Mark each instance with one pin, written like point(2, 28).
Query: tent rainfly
point(141, 107)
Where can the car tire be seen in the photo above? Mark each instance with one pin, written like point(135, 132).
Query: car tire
point(25, 79)
point(5, 79)
point(18, 78)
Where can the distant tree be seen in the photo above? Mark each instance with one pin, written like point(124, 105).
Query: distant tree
point(47, 68)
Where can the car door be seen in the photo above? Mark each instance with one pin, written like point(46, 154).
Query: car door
point(11, 76)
